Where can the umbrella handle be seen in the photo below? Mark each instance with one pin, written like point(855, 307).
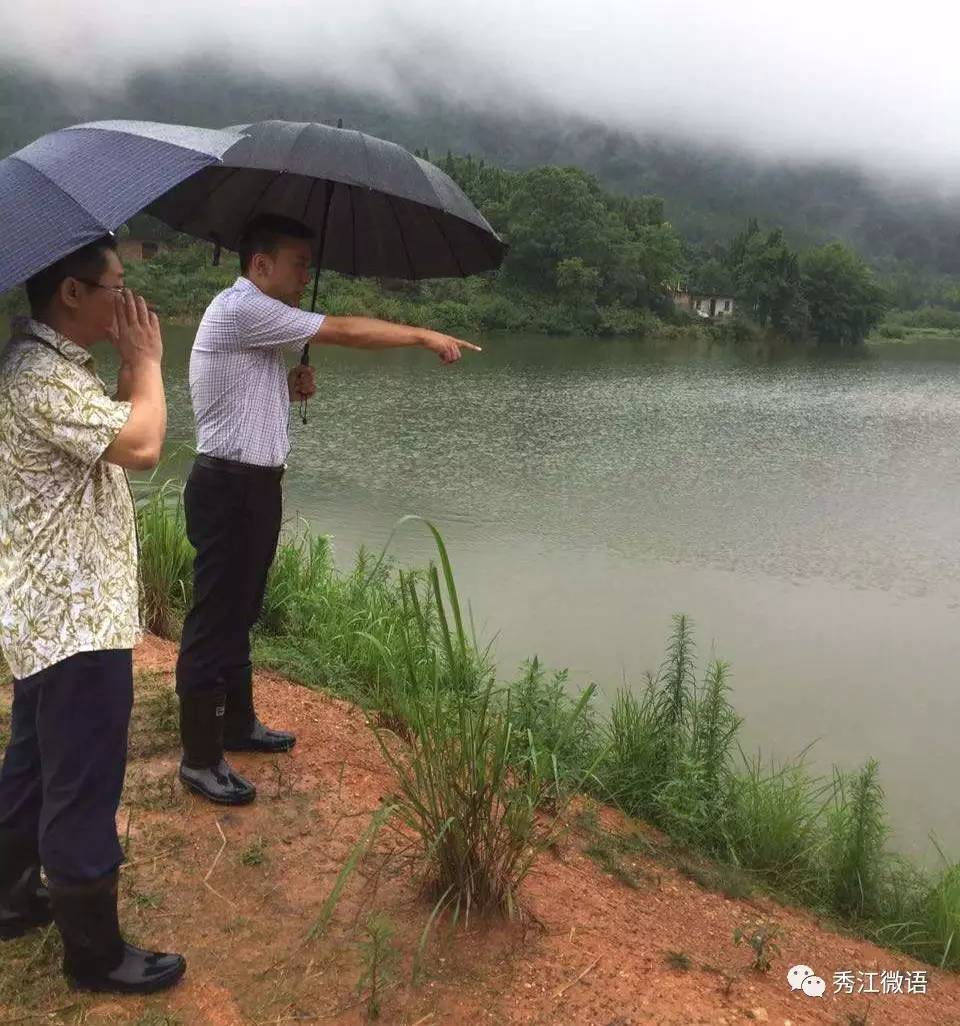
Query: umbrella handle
point(305, 355)
point(304, 362)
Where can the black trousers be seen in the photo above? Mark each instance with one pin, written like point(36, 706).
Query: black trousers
point(63, 771)
point(233, 516)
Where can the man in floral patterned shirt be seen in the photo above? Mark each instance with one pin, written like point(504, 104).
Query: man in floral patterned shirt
point(69, 607)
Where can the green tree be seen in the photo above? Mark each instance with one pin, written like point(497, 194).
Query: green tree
point(768, 280)
point(553, 214)
point(569, 235)
point(577, 281)
point(713, 277)
point(646, 264)
point(661, 255)
point(844, 299)
point(638, 212)
point(489, 187)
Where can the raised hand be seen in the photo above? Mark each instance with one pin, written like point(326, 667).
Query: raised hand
point(138, 335)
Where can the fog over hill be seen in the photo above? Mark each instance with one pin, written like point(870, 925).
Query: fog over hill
point(831, 120)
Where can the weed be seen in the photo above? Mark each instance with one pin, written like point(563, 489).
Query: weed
point(255, 854)
point(762, 937)
point(380, 956)
point(679, 960)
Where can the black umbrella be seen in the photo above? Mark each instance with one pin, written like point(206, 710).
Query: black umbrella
point(376, 209)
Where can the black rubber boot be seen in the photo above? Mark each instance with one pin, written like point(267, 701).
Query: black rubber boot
point(203, 768)
point(95, 956)
point(242, 731)
point(24, 901)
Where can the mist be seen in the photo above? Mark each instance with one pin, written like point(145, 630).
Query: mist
point(872, 84)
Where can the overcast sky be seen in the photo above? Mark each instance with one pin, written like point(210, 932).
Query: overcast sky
point(874, 81)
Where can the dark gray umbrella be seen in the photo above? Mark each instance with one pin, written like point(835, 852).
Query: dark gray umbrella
point(72, 186)
point(376, 209)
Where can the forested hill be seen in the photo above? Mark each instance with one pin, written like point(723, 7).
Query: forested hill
point(708, 194)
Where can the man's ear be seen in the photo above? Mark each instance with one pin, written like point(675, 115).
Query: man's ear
point(69, 293)
point(263, 264)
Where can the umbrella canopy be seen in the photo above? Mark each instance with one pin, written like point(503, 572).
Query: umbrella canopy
point(72, 186)
point(376, 209)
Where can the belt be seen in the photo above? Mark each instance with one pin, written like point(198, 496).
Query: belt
point(236, 467)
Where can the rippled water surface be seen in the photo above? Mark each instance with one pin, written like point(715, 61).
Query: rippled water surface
point(803, 512)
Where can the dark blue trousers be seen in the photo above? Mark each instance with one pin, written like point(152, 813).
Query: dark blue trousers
point(63, 771)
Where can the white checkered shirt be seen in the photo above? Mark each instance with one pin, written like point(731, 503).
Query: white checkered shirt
point(238, 375)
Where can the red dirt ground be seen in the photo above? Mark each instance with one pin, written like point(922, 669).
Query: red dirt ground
point(592, 950)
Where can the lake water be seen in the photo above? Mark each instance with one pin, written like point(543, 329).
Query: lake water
point(803, 512)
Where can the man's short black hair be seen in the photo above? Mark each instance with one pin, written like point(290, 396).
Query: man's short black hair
point(265, 233)
point(88, 262)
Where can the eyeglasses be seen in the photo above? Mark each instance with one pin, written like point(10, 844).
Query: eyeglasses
point(118, 289)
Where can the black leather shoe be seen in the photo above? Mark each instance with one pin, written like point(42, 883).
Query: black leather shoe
point(95, 955)
point(259, 739)
point(218, 783)
point(25, 906)
point(139, 972)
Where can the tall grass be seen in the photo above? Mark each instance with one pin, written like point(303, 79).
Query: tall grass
point(555, 737)
point(470, 781)
point(459, 792)
point(484, 769)
point(857, 835)
point(328, 628)
point(935, 925)
point(377, 634)
point(773, 825)
point(166, 557)
point(668, 749)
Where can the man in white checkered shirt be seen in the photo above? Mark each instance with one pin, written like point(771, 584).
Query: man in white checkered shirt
point(241, 392)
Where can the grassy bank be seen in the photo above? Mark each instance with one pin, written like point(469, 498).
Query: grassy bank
point(395, 642)
point(932, 322)
point(180, 282)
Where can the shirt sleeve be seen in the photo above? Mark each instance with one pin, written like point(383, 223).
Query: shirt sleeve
point(262, 322)
point(75, 416)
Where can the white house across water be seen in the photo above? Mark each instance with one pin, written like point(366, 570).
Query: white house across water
point(707, 306)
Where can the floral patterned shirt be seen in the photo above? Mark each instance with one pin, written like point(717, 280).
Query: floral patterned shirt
point(68, 544)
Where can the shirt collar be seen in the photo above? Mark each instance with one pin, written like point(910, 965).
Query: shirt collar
point(27, 327)
point(246, 285)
